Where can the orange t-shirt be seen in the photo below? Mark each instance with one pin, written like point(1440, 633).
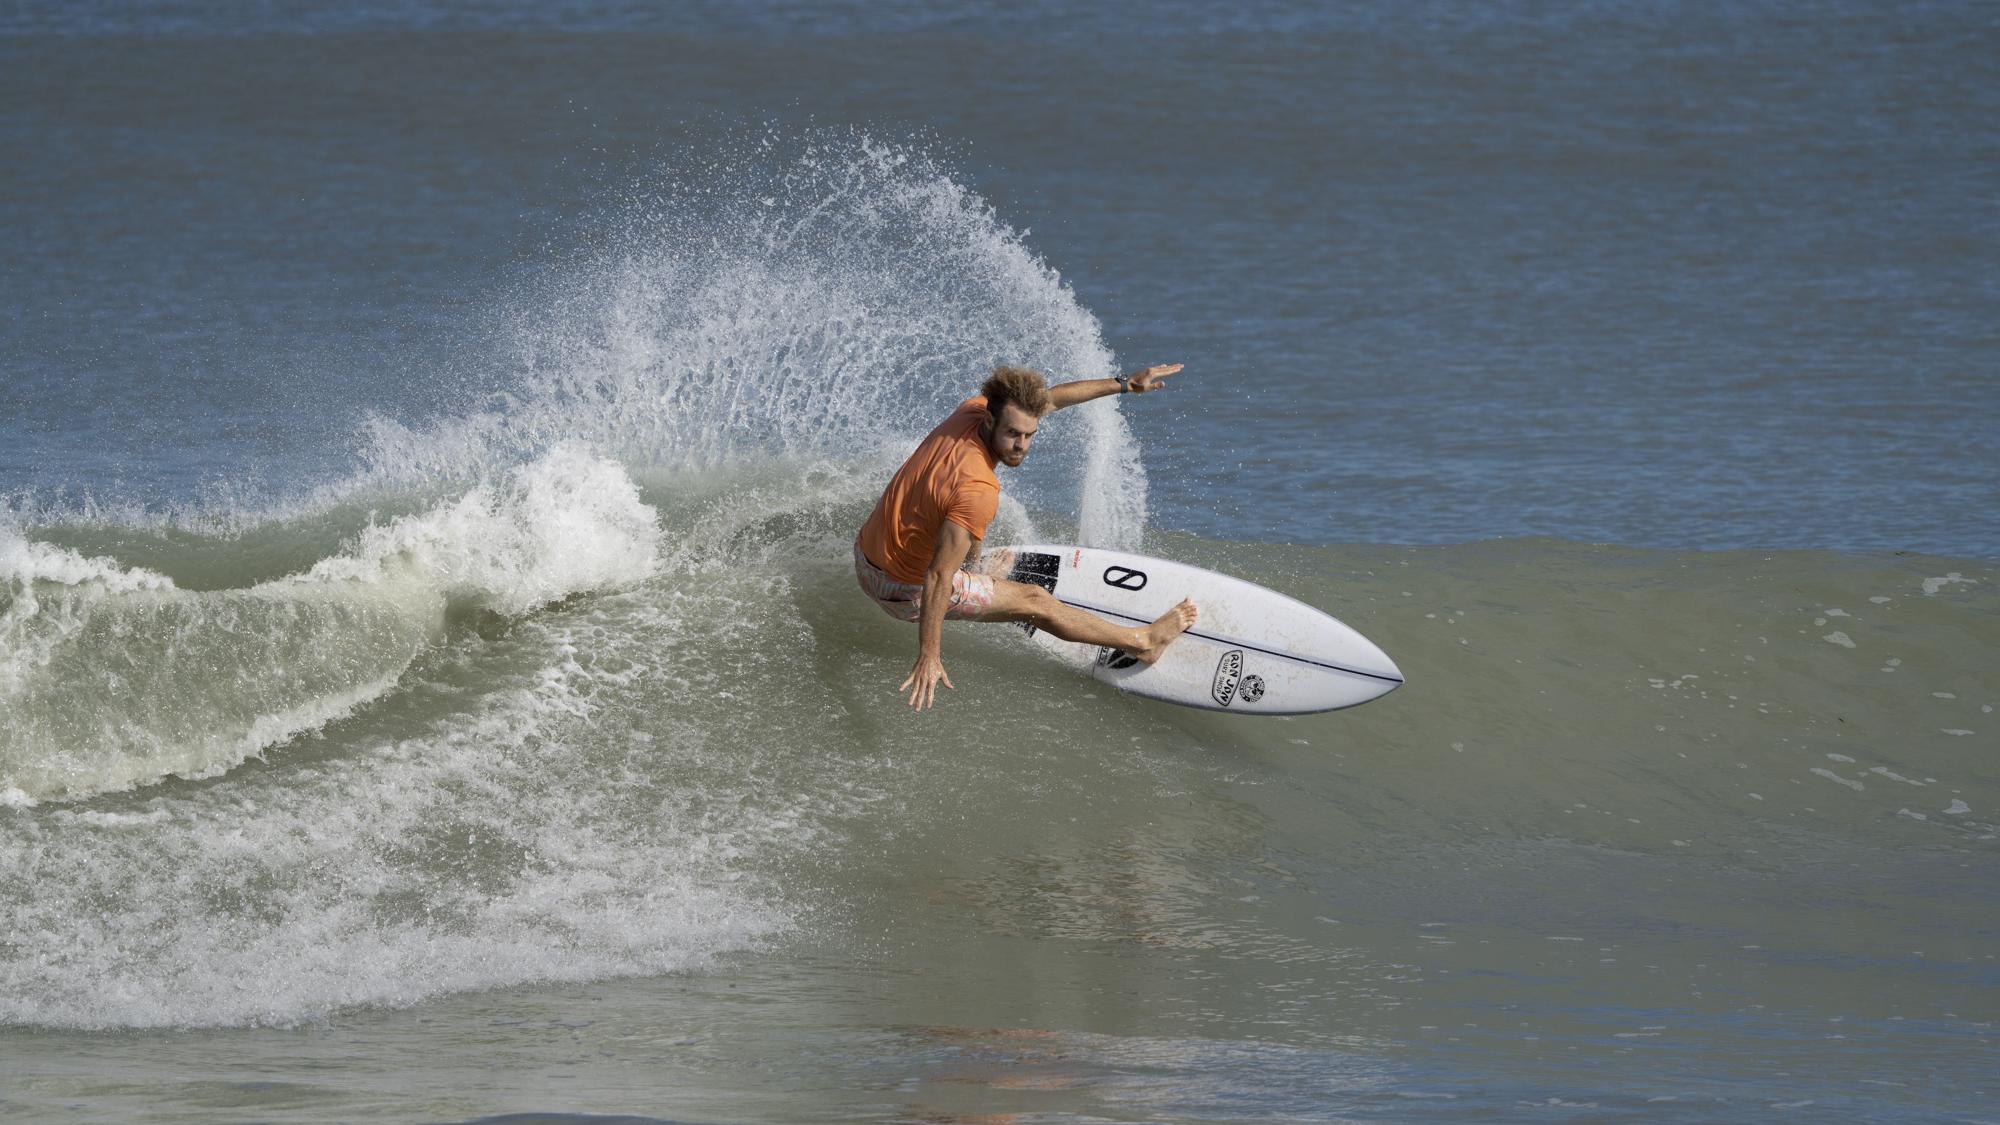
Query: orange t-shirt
point(949, 477)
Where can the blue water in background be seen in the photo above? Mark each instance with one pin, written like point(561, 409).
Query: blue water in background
point(1665, 833)
point(1668, 274)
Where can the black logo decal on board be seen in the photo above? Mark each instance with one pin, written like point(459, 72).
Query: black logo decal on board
point(1227, 670)
point(1251, 689)
point(1116, 659)
point(1124, 577)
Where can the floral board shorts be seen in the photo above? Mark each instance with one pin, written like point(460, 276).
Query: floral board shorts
point(971, 594)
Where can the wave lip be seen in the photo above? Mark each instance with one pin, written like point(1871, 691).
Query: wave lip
point(114, 677)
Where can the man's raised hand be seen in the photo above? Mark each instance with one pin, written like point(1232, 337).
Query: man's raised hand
point(1151, 378)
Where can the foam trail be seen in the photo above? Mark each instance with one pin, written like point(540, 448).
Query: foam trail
point(483, 850)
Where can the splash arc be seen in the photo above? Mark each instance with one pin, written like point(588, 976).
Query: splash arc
point(1253, 651)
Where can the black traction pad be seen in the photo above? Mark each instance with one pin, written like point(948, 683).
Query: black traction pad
point(1036, 569)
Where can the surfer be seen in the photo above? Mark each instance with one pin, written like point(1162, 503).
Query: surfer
point(911, 556)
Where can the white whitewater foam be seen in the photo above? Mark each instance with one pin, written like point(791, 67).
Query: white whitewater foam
point(116, 677)
point(1851, 783)
point(45, 595)
point(1954, 578)
point(482, 852)
point(565, 524)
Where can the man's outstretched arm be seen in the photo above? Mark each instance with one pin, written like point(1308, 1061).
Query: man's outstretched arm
point(1139, 382)
point(954, 543)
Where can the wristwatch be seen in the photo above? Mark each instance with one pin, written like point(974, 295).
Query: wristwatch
point(1124, 382)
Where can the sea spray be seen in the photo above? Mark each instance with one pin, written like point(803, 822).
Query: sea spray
point(826, 299)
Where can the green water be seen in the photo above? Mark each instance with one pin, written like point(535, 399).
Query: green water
point(1687, 834)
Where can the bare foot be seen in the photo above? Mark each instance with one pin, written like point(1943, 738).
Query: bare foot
point(1161, 633)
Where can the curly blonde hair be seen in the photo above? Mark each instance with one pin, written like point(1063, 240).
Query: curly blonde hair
point(1019, 386)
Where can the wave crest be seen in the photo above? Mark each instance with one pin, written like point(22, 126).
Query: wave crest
point(114, 676)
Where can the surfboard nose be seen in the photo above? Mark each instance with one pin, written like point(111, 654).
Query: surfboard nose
point(1389, 667)
point(1364, 657)
point(1382, 675)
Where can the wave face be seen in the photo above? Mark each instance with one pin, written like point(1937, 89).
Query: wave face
point(465, 717)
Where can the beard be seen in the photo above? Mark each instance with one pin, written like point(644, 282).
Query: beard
point(1013, 462)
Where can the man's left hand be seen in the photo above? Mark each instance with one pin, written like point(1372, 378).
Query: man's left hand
point(1151, 378)
point(924, 679)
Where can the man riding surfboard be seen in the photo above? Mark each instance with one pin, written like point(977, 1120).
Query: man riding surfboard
point(911, 554)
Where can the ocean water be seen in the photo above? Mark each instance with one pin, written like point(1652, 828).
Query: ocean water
point(432, 683)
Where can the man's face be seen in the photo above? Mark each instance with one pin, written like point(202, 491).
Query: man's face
point(1010, 435)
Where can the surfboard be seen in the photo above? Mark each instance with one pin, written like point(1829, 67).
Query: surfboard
point(1252, 650)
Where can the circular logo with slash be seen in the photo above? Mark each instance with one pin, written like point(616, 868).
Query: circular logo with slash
point(1124, 577)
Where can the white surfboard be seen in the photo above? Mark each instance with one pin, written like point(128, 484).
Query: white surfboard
point(1251, 651)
